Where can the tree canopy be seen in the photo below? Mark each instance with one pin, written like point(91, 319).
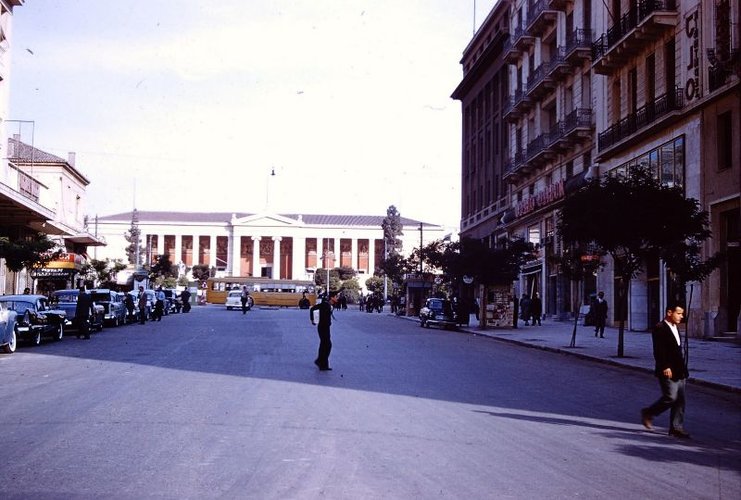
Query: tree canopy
point(30, 252)
point(392, 230)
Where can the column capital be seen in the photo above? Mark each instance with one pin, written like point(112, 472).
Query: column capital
point(256, 238)
point(277, 238)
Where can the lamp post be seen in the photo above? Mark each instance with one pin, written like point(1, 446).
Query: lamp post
point(420, 248)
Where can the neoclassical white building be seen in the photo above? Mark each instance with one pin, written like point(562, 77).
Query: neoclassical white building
point(278, 246)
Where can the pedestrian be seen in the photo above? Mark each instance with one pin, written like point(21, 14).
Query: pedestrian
point(244, 297)
point(185, 298)
point(142, 306)
point(83, 310)
point(159, 304)
point(525, 308)
point(130, 306)
point(26, 291)
point(599, 314)
point(671, 370)
point(536, 308)
point(325, 321)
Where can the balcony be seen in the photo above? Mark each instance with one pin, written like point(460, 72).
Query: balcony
point(516, 105)
point(642, 118)
point(558, 4)
point(516, 166)
point(579, 46)
point(632, 34)
point(510, 54)
point(540, 150)
point(540, 81)
point(540, 16)
point(558, 66)
point(575, 128)
point(521, 39)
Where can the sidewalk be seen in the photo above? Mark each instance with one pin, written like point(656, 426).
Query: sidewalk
point(711, 363)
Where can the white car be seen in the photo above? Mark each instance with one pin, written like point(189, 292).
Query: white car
point(234, 300)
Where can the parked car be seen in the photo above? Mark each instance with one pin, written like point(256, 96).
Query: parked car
point(35, 318)
point(8, 338)
point(234, 300)
point(438, 312)
point(114, 310)
point(173, 304)
point(66, 300)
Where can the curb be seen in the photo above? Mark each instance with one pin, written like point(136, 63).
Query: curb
point(586, 357)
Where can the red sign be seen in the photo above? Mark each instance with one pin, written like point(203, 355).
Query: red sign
point(549, 195)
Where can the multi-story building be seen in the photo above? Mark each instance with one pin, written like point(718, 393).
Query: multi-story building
point(279, 246)
point(599, 86)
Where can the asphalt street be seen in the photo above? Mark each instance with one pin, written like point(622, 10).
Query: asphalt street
point(216, 404)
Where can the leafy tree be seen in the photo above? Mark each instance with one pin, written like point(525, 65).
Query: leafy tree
point(320, 278)
point(102, 273)
point(633, 217)
point(345, 273)
point(392, 229)
point(31, 252)
point(162, 268)
point(374, 284)
point(351, 289)
point(201, 273)
point(395, 267)
point(134, 250)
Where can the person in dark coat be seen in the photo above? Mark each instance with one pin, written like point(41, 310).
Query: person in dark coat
point(599, 314)
point(536, 308)
point(83, 310)
point(130, 306)
point(142, 306)
point(525, 308)
point(325, 321)
point(671, 371)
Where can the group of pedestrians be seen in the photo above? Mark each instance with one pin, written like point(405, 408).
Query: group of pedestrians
point(531, 309)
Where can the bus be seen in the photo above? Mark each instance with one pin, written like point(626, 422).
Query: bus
point(264, 291)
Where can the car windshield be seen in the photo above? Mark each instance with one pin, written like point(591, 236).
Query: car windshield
point(101, 297)
point(18, 306)
point(66, 297)
point(235, 294)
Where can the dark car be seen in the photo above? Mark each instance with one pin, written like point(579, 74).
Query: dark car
point(440, 312)
point(66, 300)
point(173, 304)
point(35, 318)
point(114, 310)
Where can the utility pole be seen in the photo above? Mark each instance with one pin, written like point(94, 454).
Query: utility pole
point(420, 248)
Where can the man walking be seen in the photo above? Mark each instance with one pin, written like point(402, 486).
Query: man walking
point(245, 299)
point(142, 306)
point(672, 373)
point(599, 312)
point(83, 310)
point(325, 320)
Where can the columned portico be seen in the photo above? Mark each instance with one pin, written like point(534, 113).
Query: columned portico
point(235, 257)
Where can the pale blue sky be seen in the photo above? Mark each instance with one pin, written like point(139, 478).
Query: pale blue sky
point(187, 105)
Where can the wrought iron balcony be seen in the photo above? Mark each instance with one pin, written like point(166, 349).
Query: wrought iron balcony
point(540, 82)
point(646, 22)
point(558, 66)
point(540, 149)
point(540, 16)
point(642, 118)
point(574, 128)
point(579, 46)
point(517, 165)
point(558, 4)
point(509, 52)
point(521, 39)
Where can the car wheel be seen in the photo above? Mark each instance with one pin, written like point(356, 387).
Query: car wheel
point(60, 333)
point(9, 348)
point(228, 308)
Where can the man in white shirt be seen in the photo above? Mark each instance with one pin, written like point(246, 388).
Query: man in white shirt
point(671, 370)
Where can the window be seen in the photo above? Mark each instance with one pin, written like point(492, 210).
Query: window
point(533, 234)
point(724, 137)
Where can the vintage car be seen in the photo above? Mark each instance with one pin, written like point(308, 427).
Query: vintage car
point(173, 304)
point(66, 300)
point(437, 311)
point(8, 339)
point(35, 318)
point(114, 309)
point(234, 300)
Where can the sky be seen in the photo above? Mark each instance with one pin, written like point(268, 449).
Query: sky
point(185, 105)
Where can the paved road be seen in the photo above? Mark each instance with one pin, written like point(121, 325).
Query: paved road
point(218, 405)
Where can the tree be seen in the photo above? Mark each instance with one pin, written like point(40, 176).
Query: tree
point(103, 272)
point(201, 273)
point(392, 229)
point(374, 284)
point(31, 252)
point(632, 217)
point(163, 269)
point(320, 278)
point(395, 267)
point(134, 250)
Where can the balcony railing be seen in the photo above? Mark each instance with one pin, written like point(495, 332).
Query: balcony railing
point(521, 39)
point(539, 80)
point(539, 148)
point(539, 16)
point(643, 117)
point(558, 66)
point(647, 17)
point(579, 45)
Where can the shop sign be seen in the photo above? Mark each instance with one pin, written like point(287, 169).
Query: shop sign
point(549, 195)
point(52, 273)
point(67, 261)
point(692, 88)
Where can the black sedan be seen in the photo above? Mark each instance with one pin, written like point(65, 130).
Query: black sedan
point(438, 312)
point(35, 318)
point(66, 300)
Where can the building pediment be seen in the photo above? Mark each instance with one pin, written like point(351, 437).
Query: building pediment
point(264, 220)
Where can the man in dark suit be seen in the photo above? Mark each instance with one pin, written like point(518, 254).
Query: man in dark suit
point(83, 310)
point(325, 321)
point(671, 370)
point(599, 314)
